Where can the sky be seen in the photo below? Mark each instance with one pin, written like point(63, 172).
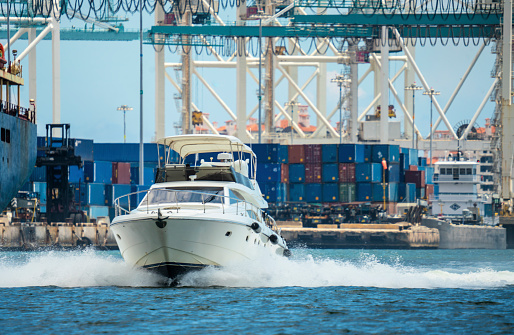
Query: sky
point(98, 77)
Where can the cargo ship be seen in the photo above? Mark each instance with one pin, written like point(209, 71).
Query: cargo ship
point(18, 133)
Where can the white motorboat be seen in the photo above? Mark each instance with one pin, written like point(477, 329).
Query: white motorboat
point(207, 213)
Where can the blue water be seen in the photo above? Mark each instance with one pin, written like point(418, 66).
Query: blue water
point(315, 292)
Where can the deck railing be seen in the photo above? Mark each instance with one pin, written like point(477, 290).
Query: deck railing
point(124, 205)
point(18, 111)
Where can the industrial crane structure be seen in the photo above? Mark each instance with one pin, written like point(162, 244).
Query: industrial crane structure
point(338, 31)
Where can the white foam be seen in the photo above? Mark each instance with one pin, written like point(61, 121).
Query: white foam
point(70, 269)
point(365, 272)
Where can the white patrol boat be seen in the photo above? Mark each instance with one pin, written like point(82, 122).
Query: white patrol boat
point(198, 215)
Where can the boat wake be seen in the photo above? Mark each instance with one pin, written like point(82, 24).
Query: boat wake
point(91, 268)
point(368, 271)
point(85, 268)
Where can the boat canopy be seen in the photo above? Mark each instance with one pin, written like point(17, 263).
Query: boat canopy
point(186, 145)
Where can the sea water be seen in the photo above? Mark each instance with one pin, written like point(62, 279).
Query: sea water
point(313, 292)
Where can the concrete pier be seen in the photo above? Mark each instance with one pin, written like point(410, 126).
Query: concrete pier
point(31, 236)
point(369, 236)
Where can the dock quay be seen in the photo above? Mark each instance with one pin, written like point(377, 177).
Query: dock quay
point(369, 236)
point(34, 236)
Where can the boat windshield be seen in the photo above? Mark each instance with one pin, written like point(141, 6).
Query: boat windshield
point(183, 194)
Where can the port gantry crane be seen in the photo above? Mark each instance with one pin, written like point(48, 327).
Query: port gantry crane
point(382, 24)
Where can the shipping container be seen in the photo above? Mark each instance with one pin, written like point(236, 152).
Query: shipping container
point(364, 191)
point(283, 154)
point(274, 192)
point(80, 193)
point(296, 192)
point(296, 154)
point(126, 152)
point(38, 174)
point(84, 149)
point(429, 175)
point(313, 193)
point(391, 192)
point(313, 173)
point(269, 172)
point(148, 175)
point(95, 194)
point(429, 191)
point(368, 172)
point(138, 195)
point(351, 153)
point(347, 172)
point(416, 177)
point(404, 162)
point(368, 153)
point(420, 193)
point(413, 156)
point(312, 153)
point(329, 153)
point(284, 173)
point(114, 191)
point(76, 174)
point(120, 173)
point(330, 192)
point(488, 210)
point(98, 172)
point(347, 192)
point(296, 173)
point(94, 212)
point(266, 152)
point(40, 189)
point(330, 173)
point(390, 152)
point(422, 161)
point(393, 173)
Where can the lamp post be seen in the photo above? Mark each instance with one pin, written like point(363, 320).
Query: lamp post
point(340, 80)
point(413, 88)
point(432, 92)
point(124, 108)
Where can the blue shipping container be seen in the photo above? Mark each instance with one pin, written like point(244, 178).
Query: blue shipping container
point(368, 172)
point(84, 149)
point(351, 153)
point(422, 161)
point(80, 192)
point(266, 152)
point(330, 192)
point(313, 193)
point(296, 173)
point(76, 174)
point(268, 172)
point(368, 152)
point(429, 175)
point(115, 191)
point(330, 173)
point(388, 151)
point(38, 174)
point(391, 192)
point(95, 194)
point(274, 192)
point(148, 174)
point(329, 153)
point(296, 192)
point(40, 188)
point(98, 172)
point(393, 173)
point(413, 156)
point(126, 152)
point(97, 211)
point(364, 191)
point(283, 154)
point(137, 197)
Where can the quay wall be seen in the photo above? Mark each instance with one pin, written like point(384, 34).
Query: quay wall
point(359, 236)
point(467, 236)
point(38, 235)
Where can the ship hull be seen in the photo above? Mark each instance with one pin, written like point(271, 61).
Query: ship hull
point(192, 242)
point(18, 150)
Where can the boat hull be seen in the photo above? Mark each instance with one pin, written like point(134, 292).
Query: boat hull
point(183, 243)
point(17, 157)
